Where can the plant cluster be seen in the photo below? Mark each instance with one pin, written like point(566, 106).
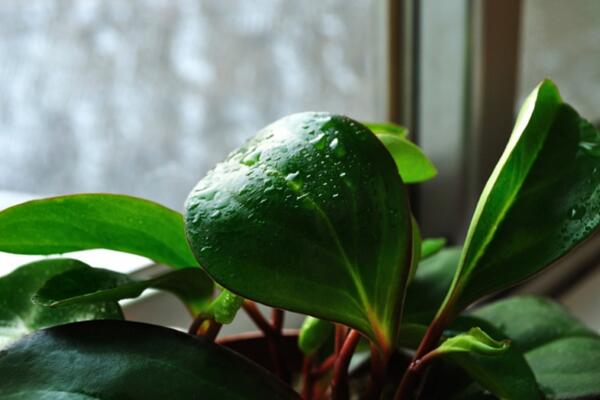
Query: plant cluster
point(312, 215)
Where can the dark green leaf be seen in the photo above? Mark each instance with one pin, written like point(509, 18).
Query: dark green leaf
point(542, 199)
point(84, 285)
point(309, 216)
point(429, 286)
point(19, 315)
point(563, 353)
point(431, 246)
point(313, 334)
point(126, 360)
point(413, 165)
point(92, 221)
point(506, 373)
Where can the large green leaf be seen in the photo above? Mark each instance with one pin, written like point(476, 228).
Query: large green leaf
point(500, 369)
point(542, 199)
point(84, 285)
point(19, 315)
point(91, 221)
point(429, 286)
point(563, 353)
point(311, 216)
point(126, 360)
point(388, 128)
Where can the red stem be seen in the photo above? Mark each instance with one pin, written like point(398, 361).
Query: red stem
point(277, 318)
point(339, 382)
point(378, 364)
point(307, 379)
point(429, 342)
point(272, 335)
point(340, 335)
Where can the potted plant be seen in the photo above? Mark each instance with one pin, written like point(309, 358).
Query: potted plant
point(312, 216)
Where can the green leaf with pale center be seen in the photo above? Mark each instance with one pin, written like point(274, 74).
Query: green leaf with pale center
point(475, 340)
point(311, 216)
point(431, 246)
point(562, 352)
point(96, 221)
point(388, 128)
point(114, 360)
point(20, 316)
point(413, 165)
point(492, 363)
point(84, 285)
point(542, 199)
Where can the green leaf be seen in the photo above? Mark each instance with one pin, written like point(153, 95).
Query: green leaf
point(84, 285)
point(541, 200)
point(475, 340)
point(388, 128)
point(562, 352)
point(127, 360)
point(20, 316)
point(431, 246)
point(310, 216)
point(92, 221)
point(313, 334)
point(416, 248)
point(413, 165)
point(498, 368)
point(430, 285)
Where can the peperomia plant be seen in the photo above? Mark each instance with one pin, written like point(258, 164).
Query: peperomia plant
point(312, 216)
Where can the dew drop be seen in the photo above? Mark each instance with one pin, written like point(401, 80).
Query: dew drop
point(338, 148)
point(215, 214)
point(318, 141)
point(251, 158)
point(577, 212)
point(292, 176)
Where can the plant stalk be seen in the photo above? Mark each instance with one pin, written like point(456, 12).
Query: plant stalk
point(206, 327)
point(429, 342)
point(339, 382)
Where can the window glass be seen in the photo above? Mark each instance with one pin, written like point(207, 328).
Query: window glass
point(144, 96)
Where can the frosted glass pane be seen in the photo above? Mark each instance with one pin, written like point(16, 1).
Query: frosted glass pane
point(561, 40)
point(143, 97)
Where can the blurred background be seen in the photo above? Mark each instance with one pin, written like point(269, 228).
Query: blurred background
point(144, 96)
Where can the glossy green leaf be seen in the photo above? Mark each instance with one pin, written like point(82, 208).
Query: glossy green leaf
point(313, 334)
point(84, 285)
point(224, 307)
point(114, 360)
point(388, 128)
point(92, 221)
point(562, 352)
point(20, 316)
point(475, 340)
point(503, 370)
point(431, 246)
point(310, 216)
point(542, 199)
point(413, 165)
point(427, 290)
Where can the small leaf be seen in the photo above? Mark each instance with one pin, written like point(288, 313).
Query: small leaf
point(310, 216)
point(496, 366)
point(314, 333)
point(224, 307)
point(83, 284)
point(563, 353)
point(20, 316)
point(427, 290)
point(431, 246)
point(542, 199)
point(92, 221)
point(413, 165)
point(129, 360)
point(475, 340)
point(389, 128)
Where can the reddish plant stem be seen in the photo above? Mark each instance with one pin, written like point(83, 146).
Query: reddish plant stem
point(277, 319)
point(378, 364)
point(325, 366)
point(308, 379)
point(340, 335)
point(339, 382)
point(273, 337)
point(206, 327)
point(429, 342)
